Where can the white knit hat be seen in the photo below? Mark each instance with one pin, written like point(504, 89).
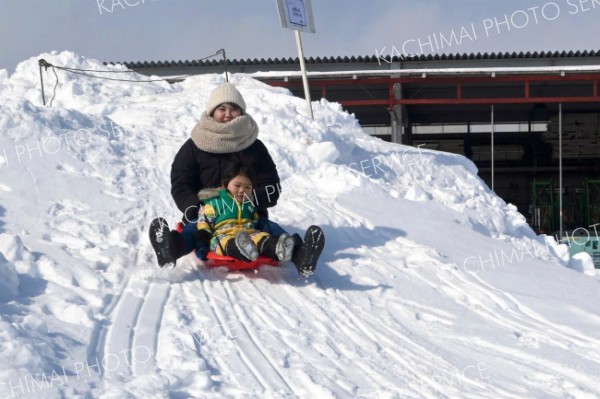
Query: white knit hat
point(225, 93)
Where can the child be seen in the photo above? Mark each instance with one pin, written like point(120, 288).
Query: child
point(227, 221)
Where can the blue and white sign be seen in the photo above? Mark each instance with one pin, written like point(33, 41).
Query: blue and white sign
point(296, 15)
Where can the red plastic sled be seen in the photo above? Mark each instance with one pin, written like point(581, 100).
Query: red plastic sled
point(215, 260)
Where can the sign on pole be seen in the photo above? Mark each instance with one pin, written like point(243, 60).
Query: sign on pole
point(297, 15)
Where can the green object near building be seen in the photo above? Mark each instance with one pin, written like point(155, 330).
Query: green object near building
point(589, 244)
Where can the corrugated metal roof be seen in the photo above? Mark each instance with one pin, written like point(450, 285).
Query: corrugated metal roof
point(367, 59)
point(434, 72)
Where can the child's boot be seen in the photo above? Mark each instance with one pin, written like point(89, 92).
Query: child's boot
point(278, 248)
point(242, 247)
point(285, 247)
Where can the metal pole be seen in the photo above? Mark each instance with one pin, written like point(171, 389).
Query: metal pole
point(304, 77)
point(493, 130)
point(40, 62)
point(394, 126)
point(225, 63)
point(560, 182)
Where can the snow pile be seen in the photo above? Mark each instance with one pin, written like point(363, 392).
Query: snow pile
point(583, 263)
point(9, 282)
point(429, 286)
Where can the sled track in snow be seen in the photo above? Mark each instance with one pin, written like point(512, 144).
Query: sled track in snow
point(331, 322)
point(262, 373)
point(366, 331)
point(130, 323)
point(111, 315)
point(125, 341)
point(129, 332)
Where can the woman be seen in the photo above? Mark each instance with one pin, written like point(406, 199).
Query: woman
point(224, 135)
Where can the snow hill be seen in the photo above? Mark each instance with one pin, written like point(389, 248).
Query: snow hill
point(430, 286)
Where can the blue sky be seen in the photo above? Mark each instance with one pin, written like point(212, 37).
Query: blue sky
point(158, 30)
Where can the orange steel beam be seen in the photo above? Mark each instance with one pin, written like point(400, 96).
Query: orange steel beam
point(324, 84)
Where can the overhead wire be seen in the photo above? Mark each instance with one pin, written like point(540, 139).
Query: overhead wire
point(84, 72)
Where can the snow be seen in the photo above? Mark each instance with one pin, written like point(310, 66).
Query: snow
point(430, 286)
point(583, 263)
point(9, 281)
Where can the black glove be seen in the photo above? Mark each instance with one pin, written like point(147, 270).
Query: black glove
point(262, 212)
point(203, 236)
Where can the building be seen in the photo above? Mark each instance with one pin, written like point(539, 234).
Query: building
point(515, 115)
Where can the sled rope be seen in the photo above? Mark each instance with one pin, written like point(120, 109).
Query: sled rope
point(212, 231)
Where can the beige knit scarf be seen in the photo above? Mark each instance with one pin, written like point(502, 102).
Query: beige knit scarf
point(222, 138)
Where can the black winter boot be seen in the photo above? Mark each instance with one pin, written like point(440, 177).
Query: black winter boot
point(160, 238)
point(178, 245)
point(267, 247)
point(297, 241)
point(307, 255)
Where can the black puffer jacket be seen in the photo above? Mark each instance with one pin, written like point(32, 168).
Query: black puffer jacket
point(194, 169)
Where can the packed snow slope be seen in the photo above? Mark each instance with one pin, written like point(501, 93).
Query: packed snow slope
point(430, 286)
